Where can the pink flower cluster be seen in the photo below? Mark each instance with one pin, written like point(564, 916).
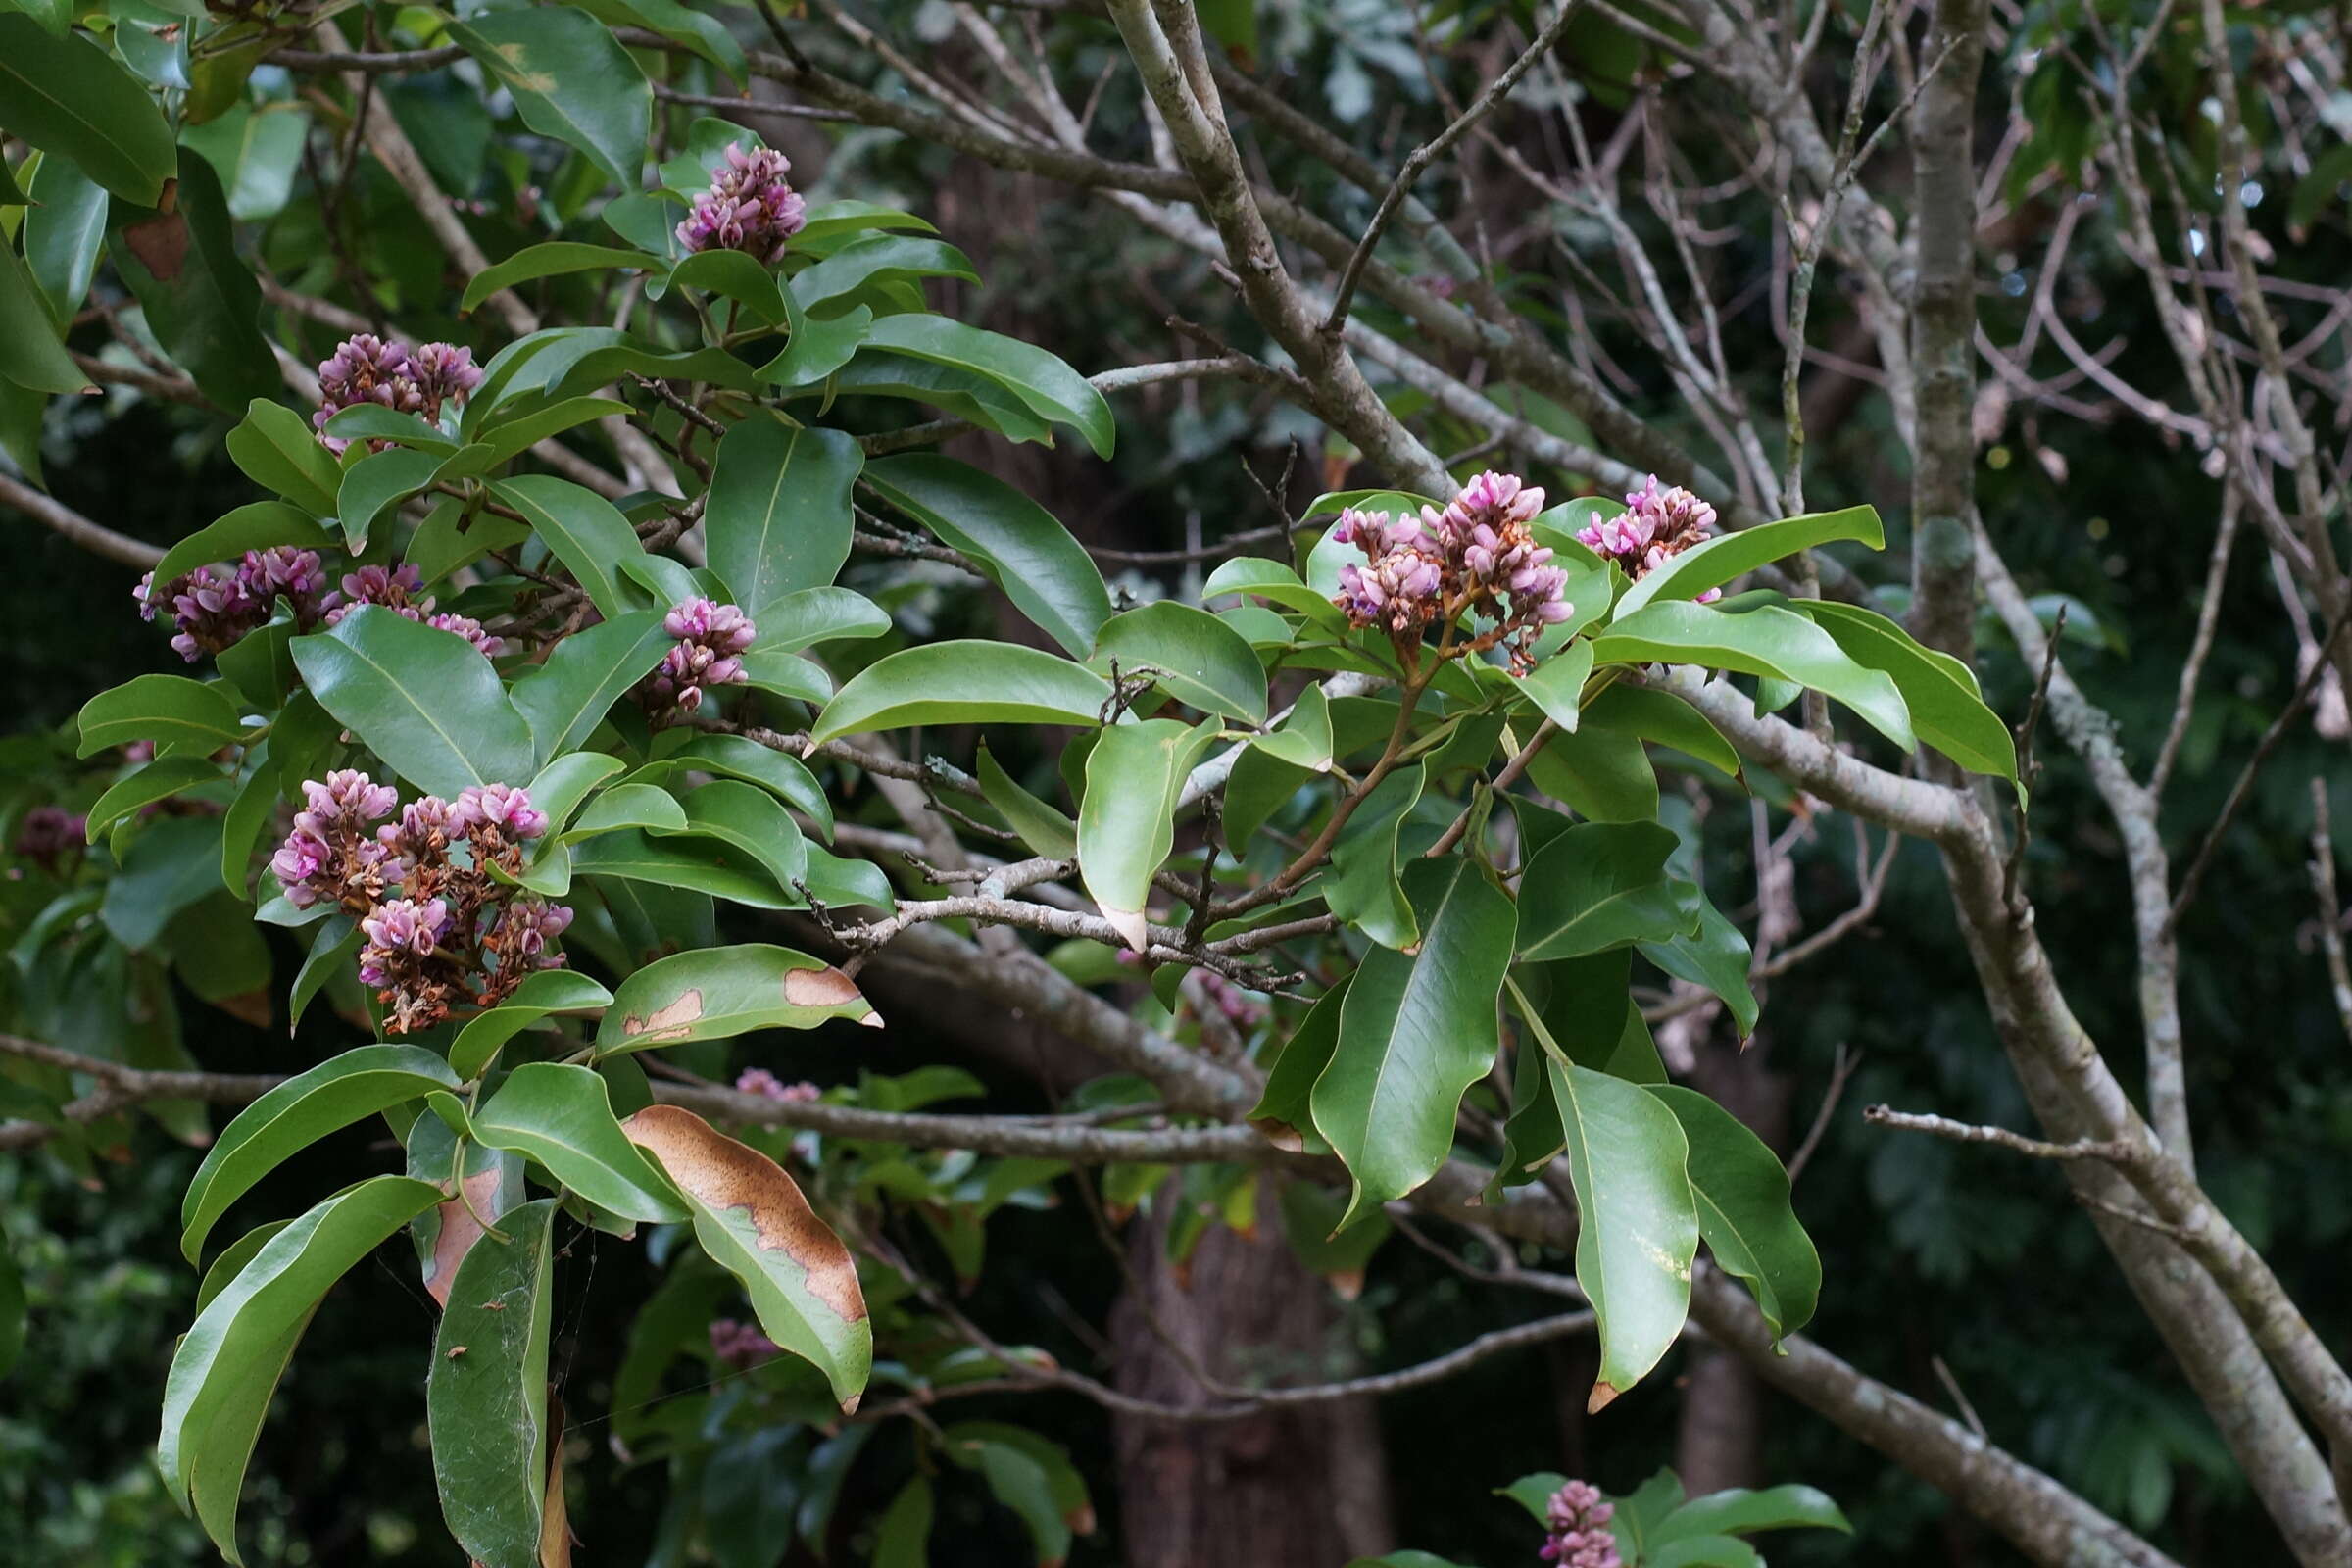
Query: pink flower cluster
point(49, 836)
point(442, 932)
point(365, 368)
point(1656, 524)
point(1240, 1009)
point(401, 590)
point(214, 606)
point(760, 1081)
point(1579, 1528)
point(1474, 556)
point(749, 207)
point(712, 640)
point(741, 1345)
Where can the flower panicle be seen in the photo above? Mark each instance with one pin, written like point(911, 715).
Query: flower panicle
point(712, 640)
point(750, 206)
point(1477, 555)
point(367, 368)
point(1577, 1518)
point(1659, 524)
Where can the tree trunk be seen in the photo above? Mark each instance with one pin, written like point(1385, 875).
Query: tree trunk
point(1297, 1489)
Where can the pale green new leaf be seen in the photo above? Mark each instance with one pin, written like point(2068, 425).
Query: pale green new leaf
point(1127, 818)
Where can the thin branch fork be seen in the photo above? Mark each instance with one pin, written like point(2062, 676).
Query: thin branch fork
point(2109, 1152)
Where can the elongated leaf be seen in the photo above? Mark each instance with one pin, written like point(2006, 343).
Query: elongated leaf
point(30, 354)
point(1602, 885)
point(786, 777)
point(1664, 717)
point(1127, 818)
point(63, 94)
point(715, 993)
point(1042, 827)
point(778, 515)
point(1734, 554)
point(169, 709)
point(880, 259)
point(1556, 686)
point(1739, 1510)
point(571, 80)
point(965, 683)
point(755, 822)
point(1603, 775)
point(567, 696)
point(256, 525)
point(65, 234)
point(1948, 708)
point(1764, 641)
point(1028, 1474)
point(813, 615)
point(630, 805)
point(159, 780)
point(752, 1221)
point(550, 991)
point(562, 1116)
point(902, 1540)
point(1639, 1228)
point(684, 862)
point(507, 436)
point(280, 453)
point(485, 1396)
point(1274, 581)
point(1415, 1032)
point(1201, 662)
point(1051, 389)
point(1363, 886)
point(1023, 548)
point(200, 298)
point(229, 1363)
point(424, 701)
point(1743, 1211)
point(550, 258)
point(297, 1113)
point(377, 482)
point(584, 531)
point(1282, 1113)
point(1714, 955)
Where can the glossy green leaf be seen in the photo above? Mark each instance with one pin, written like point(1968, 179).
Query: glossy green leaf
point(485, 1394)
point(1046, 386)
point(159, 780)
point(560, 1115)
point(423, 699)
point(1659, 716)
point(1021, 1478)
point(1734, 554)
point(511, 435)
point(1023, 548)
point(65, 234)
point(256, 525)
point(706, 36)
point(200, 298)
point(1743, 1210)
point(878, 258)
point(1602, 774)
point(752, 1221)
point(296, 1114)
point(1040, 826)
point(377, 482)
point(1415, 1031)
point(735, 276)
point(571, 80)
point(1602, 885)
point(965, 683)
point(1303, 738)
point(372, 421)
point(1282, 1111)
point(540, 995)
point(1198, 660)
point(30, 354)
point(550, 258)
point(63, 94)
point(1556, 686)
point(1272, 580)
point(169, 709)
point(1127, 817)
point(333, 945)
point(630, 805)
point(280, 453)
point(583, 530)
point(683, 863)
point(1739, 1510)
point(1362, 886)
point(1768, 640)
point(813, 615)
point(717, 992)
point(254, 151)
point(778, 511)
point(1715, 956)
point(1947, 709)
point(785, 775)
point(567, 695)
point(754, 823)
point(228, 1363)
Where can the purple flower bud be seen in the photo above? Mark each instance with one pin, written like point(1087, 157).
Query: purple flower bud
point(471, 629)
point(400, 924)
point(750, 206)
point(506, 806)
point(443, 372)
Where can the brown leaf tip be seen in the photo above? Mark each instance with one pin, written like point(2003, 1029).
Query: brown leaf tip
point(1603, 1395)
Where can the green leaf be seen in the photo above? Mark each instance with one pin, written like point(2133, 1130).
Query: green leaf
point(255, 152)
point(1714, 955)
point(169, 709)
point(583, 530)
point(423, 699)
point(1764, 641)
point(512, 434)
point(376, 482)
point(571, 80)
point(551, 259)
point(64, 233)
point(337, 938)
point(549, 992)
point(1127, 817)
point(30, 354)
point(1703, 1551)
point(1602, 774)
point(841, 882)
point(159, 780)
point(630, 805)
point(280, 453)
point(680, 861)
point(1023, 548)
point(737, 276)
point(778, 512)
point(972, 682)
point(1050, 388)
point(296, 1114)
point(706, 36)
point(200, 298)
point(1639, 1228)
point(64, 95)
point(1947, 709)
point(1739, 1510)
point(1201, 662)
point(1041, 827)
point(786, 777)
point(560, 1115)
point(256, 525)
point(567, 696)
point(902, 1540)
point(372, 421)
point(1744, 1212)
point(813, 615)
point(1415, 1031)
point(1362, 885)
point(485, 1396)
point(229, 1363)
point(717, 992)
point(1556, 686)
point(754, 823)
point(879, 258)
point(1734, 555)
point(1019, 1477)
point(1282, 1113)
point(1271, 579)
point(754, 1223)
point(1601, 885)
point(1662, 716)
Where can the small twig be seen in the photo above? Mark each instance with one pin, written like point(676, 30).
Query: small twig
point(1841, 1069)
point(2113, 1151)
point(2029, 769)
point(1951, 1385)
point(2331, 909)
